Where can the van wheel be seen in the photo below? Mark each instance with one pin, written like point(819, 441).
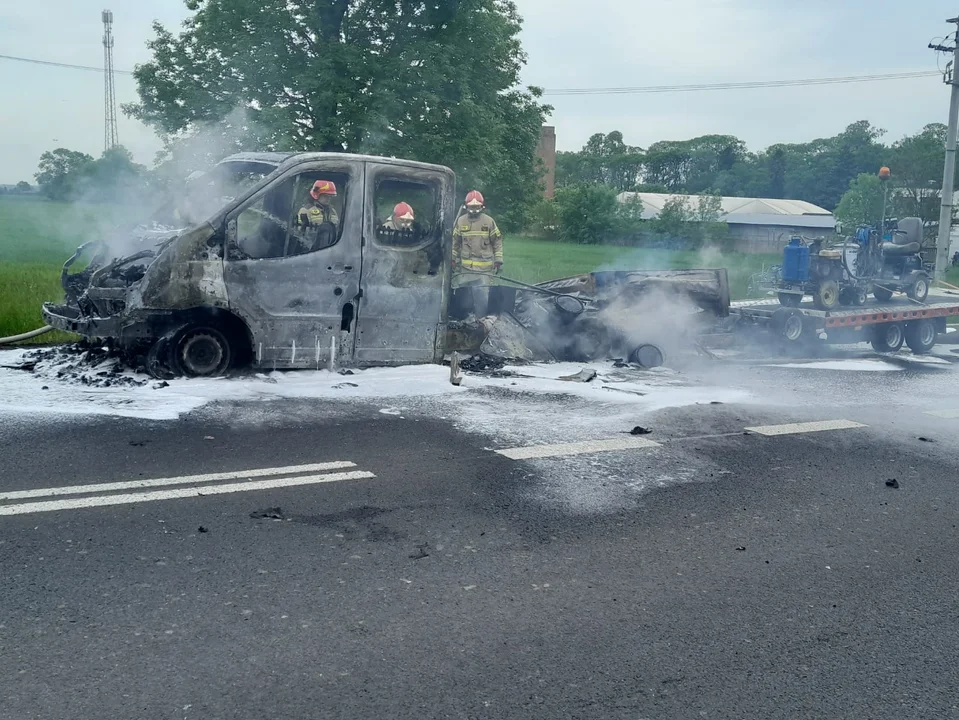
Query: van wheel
point(201, 351)
point(887, 337)
point(921, 336)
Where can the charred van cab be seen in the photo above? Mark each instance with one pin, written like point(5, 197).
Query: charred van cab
point(233, 273)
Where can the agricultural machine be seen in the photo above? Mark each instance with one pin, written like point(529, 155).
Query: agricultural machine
point(846, 272)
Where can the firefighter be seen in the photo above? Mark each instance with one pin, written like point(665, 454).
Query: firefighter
point(402, 218)
point(318, 209)
point(477, 248)
point(317, 219)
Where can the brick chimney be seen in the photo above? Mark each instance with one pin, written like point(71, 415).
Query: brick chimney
point(546, 151)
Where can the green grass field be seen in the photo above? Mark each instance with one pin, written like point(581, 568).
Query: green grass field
point(37, 236)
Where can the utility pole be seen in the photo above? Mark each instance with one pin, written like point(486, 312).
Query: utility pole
point(949, 172)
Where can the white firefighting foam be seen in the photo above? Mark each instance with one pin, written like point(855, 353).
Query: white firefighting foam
point(41, 392)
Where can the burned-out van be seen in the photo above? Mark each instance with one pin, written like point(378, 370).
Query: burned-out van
point(233, 271)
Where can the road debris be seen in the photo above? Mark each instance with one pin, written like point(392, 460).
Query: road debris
point(584, 376)
point(456, 375)
point(273, 513)
point(341, 386)
point(420, 552)
point(741, 548)
point(925, 439)
point(640, 430)
point(202, 529)
point(893, 483)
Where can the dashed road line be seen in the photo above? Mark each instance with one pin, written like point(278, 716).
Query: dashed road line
point(178, 493)
point(944, 414)
point(577, 448)
point(804, 427)
point(183, 480)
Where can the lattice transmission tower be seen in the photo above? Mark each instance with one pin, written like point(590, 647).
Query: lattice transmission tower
point(109, 91)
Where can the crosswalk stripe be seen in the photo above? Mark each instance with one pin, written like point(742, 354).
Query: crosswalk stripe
point(944, 414)
point(178, 493)
point(183, 480)
point(577, 448)
point(805, 427)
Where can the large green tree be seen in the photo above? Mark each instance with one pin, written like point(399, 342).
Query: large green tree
point(605, 159)
point(431, 80)
point(62, 172)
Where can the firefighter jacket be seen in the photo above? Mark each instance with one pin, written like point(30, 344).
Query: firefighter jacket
point(477, 243)
point(318, 215)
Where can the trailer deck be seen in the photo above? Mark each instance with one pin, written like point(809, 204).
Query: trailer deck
point(885, 324)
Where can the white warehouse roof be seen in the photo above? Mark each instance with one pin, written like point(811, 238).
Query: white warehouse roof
point(744, 211)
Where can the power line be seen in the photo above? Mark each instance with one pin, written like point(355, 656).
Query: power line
point(556, 92)
point(743, 85)
point(62, 65)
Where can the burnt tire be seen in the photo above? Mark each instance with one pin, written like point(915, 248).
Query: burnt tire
point(858, 296)
point(921, 336)
point(882, 294)
point(791, 300)
point(888, 337)
point(919, 290)
point(201, 351)
point(826, 296)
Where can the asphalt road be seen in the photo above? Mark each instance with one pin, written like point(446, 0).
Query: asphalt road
point(772, 577)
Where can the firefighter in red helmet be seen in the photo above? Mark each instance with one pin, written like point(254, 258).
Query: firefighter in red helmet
point(477, 250)
point(318, 210)
point(402, 218)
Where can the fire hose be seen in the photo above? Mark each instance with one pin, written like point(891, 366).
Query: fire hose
point(26, 336)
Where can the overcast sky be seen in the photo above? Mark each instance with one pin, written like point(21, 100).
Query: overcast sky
point(571, 44)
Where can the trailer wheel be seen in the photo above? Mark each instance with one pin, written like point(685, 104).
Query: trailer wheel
point(882, 294)
point(202, 351)
point(887, 338)
point(789, 324)
point(790, 300)
point(859, 297)
point(921, 336)
point(919, 290)
point(826, 296)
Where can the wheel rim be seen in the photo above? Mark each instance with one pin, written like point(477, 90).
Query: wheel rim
point(649, 356)
point(792, 328)
point(201, 353)
point(893, 336)
point(927, 333)
point(921, 289)
point(828, 295)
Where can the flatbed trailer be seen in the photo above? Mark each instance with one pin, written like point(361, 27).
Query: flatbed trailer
point(886, 325)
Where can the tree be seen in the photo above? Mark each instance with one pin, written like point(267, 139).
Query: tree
point(862, 202)
point(917, 162)
point(431, 81)
point(22, 187)
point(587, 212)
point(61, 172)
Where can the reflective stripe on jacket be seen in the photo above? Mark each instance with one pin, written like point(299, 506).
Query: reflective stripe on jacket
point(477, 243)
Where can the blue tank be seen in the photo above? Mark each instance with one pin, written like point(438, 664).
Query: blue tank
point(795, 262)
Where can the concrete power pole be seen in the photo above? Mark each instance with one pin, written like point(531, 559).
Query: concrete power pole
point(109, 92)
point(949, 172)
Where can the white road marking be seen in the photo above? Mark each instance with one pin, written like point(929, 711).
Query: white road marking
point(944, 414)
point(806, 427)
point(577, 448)
point(183, 480)
point(180, 493)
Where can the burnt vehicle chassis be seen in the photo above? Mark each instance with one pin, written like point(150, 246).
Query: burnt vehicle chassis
point(200, 300)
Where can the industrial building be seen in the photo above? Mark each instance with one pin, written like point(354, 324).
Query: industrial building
point(756, 225)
